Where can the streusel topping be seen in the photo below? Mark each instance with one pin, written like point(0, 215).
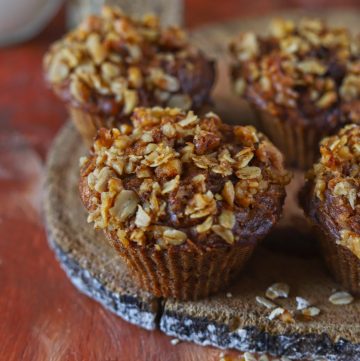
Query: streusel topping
point(176, 177)
point(336, 179)
point(116, 62)
point(308, 66)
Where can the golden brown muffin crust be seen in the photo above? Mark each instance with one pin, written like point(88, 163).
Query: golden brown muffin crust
point(112, 63)
point(332, 192)
point(176, 179)
point(303, 72)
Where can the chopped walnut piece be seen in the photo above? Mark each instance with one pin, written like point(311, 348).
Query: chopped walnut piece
point(170, 169)
point(158, 155)
point(125, 205)
point(142, 219)
point(201, 205)
point(103, 179)
point(344, 188)
point(171, 185)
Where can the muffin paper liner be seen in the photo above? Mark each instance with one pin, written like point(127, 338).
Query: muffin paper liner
point(184, 274)
point(298, 143)
point(343, 264)
point(86, 123)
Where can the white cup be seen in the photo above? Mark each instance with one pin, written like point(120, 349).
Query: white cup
point(21, 20)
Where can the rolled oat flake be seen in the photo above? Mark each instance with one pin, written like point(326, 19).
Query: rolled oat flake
point(341, 298)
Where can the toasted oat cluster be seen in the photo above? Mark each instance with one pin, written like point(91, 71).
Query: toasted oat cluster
point(306, 65)
point(336, 181)
point(112, 63)
point(175, 178)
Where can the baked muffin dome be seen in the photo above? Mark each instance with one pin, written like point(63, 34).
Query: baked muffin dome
point(303, 78)
point(112, 63)
point(181, 184)
point(331, 199)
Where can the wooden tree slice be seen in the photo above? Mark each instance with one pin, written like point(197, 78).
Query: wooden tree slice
point(288, 255)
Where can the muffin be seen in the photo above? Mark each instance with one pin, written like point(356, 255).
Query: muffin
point(302, 80)
point(183, 199)
point(331, 200)
point(112, 63)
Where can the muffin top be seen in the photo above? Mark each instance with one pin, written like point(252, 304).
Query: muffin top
point(175, 179)
point(305, 70)
point(334, 188)
point(111, 63)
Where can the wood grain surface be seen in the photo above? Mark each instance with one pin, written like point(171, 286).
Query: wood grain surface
point(43, 317)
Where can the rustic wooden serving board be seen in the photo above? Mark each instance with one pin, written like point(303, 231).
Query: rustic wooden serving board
point(288, 255)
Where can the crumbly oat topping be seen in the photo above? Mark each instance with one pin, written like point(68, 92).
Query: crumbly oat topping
point(336, 179)
point(307, 65)
point(117, 63)
point(178, 178)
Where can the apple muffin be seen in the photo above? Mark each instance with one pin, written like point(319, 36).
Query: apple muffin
point(331, 200)
point(112, 63)
point(302, 80)
point(183, 199)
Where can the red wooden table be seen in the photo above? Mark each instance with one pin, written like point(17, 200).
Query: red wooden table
point(42, 316)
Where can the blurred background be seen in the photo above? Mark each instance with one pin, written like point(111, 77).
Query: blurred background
point(28, 27)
